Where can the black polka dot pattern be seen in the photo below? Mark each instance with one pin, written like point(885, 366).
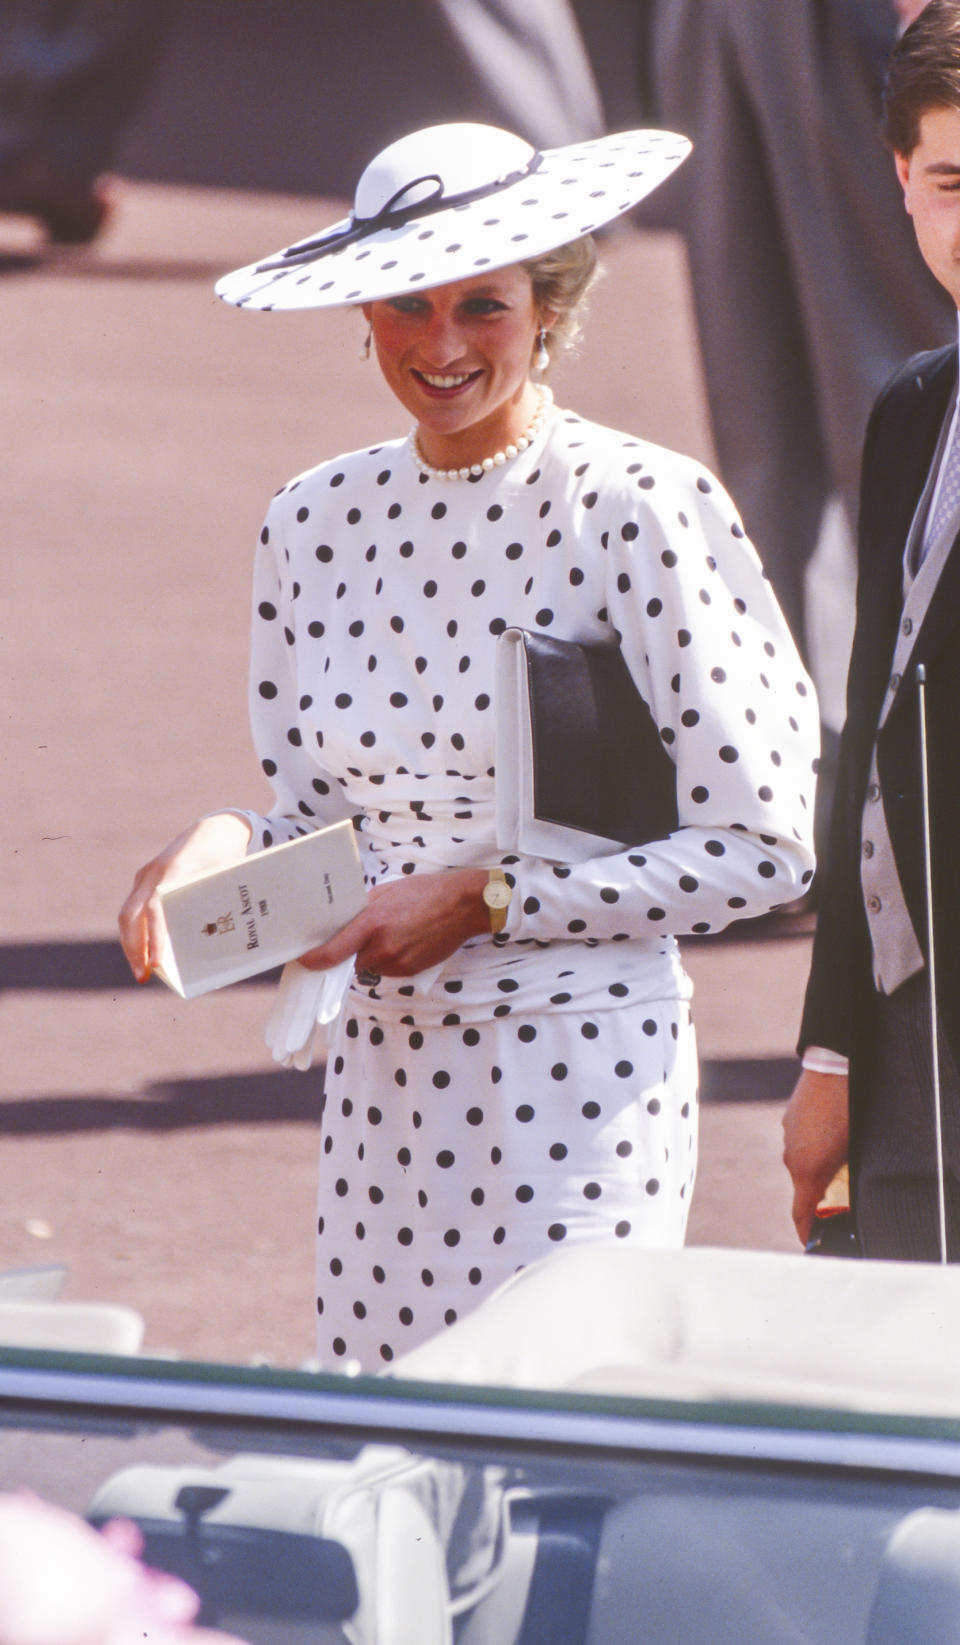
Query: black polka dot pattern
point(478, 1190)
point(541, 1090)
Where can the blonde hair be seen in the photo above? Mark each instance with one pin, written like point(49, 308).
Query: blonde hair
point(561, 279)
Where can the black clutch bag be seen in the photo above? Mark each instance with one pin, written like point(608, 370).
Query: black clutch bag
point(581, 770)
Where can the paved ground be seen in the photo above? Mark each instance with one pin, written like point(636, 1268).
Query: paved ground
point(146, 1143)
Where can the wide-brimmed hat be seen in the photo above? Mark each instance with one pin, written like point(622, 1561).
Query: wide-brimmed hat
point(451, 201)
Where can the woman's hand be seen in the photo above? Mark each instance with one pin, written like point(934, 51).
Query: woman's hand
point(816, 1139)
point(410, 924)
point(213, 842)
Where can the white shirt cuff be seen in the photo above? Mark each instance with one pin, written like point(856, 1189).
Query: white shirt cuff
point(821, 1061)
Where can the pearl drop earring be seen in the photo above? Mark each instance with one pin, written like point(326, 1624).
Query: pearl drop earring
point(365, 351)
point(541, 359)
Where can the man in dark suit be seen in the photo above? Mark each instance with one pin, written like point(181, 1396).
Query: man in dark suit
point(866, 1091)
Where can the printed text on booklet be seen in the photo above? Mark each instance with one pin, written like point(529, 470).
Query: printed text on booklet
point(269, 908)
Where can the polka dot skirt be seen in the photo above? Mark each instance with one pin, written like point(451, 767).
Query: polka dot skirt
point(484, 1149)
point(541, 1089)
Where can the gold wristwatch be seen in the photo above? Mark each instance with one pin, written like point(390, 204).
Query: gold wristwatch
point(496, 894)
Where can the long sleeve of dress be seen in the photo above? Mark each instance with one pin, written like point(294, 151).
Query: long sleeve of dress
point(711, 654)
point(307, 797)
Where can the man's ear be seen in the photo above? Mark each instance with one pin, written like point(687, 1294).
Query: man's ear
point(902, 164)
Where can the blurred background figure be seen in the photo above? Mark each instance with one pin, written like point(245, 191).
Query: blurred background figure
point(71, 76)
point(532, 61)
point(807, 283)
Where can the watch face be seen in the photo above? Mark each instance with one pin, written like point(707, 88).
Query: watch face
point(496, 894)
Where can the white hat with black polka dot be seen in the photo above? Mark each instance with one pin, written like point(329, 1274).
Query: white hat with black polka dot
point(450, 201)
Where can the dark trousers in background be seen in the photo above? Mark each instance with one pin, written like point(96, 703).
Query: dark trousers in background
point(808, 286)
point(894, 1182)
point(71, 75)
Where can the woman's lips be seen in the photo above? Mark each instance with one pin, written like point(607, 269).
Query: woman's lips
point(445, 385)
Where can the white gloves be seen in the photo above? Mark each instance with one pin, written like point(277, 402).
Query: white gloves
point(308, 1000)
point(305, 1000)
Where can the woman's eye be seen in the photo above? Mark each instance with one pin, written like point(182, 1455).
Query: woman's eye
point(484, 305)
point(407, 305)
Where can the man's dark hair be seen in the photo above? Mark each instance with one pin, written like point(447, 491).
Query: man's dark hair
point(924, 73)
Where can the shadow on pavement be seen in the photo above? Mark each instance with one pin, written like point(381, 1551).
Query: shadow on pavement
point(96, 963)
point(286, 1096)
point(223, 1099)
point(748, 1079)
point(15, 262)
point(126, 268)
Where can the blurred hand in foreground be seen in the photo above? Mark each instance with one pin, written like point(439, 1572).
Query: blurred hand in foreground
point(63, 1583)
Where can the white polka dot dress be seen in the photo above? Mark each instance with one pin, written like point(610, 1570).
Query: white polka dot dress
point(541, 1090)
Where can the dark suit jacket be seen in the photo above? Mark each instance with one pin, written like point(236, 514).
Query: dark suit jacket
point(900, 444)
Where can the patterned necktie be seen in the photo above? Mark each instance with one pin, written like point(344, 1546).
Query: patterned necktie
point(946, 516)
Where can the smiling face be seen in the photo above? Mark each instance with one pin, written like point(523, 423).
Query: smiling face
point(458, 357)
point(930, 178)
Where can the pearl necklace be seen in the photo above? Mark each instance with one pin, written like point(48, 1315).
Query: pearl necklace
point(474, 470)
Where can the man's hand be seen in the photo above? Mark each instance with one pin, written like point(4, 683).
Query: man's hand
point(816, 1140)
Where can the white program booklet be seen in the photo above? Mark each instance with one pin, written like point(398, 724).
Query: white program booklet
point(268, 908)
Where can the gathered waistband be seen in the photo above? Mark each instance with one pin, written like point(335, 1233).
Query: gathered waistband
point(430, 822)
point(484, 980)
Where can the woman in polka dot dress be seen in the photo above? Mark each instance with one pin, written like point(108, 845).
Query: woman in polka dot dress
point(500, 1083)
